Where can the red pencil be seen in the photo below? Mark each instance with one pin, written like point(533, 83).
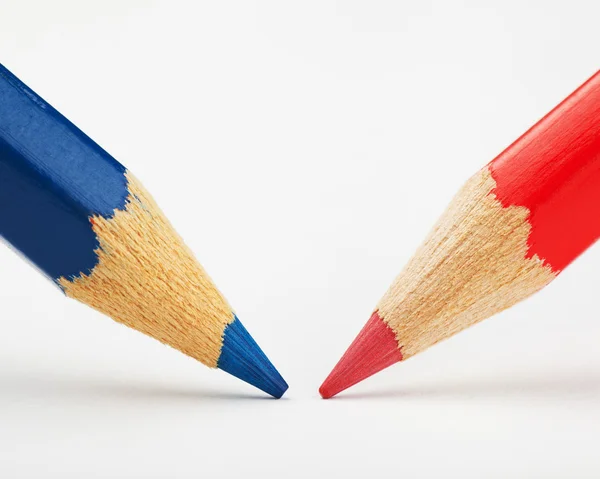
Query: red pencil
point(511, 229)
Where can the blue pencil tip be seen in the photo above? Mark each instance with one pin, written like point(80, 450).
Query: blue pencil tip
point(242, 357)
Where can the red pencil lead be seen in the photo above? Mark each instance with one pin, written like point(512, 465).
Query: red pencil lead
point(374, 349)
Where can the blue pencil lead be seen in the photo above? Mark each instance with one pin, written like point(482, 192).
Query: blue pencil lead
point(242, 357)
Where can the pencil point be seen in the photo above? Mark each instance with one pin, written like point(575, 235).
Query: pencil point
point(242, 357)
point(374, 349)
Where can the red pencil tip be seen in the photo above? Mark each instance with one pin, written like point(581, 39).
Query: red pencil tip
point(374, 349)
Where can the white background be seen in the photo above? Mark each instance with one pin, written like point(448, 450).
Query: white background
point(303, 149)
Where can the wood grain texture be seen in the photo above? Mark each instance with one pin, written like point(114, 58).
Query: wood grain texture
point(472, 265)
point(148, 279)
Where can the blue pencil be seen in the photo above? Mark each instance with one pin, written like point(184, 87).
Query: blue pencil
point(88, 224)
